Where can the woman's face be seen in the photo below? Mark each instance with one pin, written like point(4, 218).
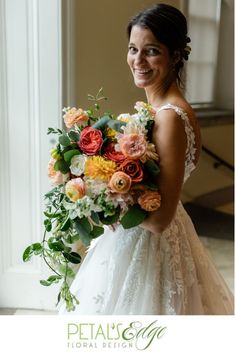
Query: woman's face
point(148, 59)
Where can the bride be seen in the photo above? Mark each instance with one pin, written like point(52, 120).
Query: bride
point(159, 267)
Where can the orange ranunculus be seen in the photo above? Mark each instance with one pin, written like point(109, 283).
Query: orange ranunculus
point(56, 177)
point(75, 116)
point(150, 201)
point(133, 169)
point(75, 189)
point(90, 140)
point(120, 182)
point(112, 154)
point(133, 146)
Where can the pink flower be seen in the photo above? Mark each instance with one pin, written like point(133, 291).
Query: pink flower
point(120, 182)
point(75, 116)
point(133, 146)
point(75, 189)
point(56, 177)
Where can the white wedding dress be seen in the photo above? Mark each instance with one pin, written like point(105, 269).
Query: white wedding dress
point(134, 272)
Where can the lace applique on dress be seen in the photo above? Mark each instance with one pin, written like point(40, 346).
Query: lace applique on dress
point(190, 151)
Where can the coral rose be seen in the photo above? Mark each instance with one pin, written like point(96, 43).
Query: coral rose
point(133, 169)
point(56, 177)
point(90, 140)
point(112, 154)
point(150, 201)
point(133, 146)
point(74, 116)
point(75, 189)
point(120, 182)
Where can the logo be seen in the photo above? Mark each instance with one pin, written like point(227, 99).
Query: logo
point(113, 335)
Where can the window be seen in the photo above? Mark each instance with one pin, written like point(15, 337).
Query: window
point(203, 22)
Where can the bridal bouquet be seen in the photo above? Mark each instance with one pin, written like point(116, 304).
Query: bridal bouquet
point(104, 171)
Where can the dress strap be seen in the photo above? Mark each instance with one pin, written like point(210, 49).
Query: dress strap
point(191, 150)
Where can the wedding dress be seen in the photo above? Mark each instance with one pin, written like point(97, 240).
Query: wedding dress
point(134, 272)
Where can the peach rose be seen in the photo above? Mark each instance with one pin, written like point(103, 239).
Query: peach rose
point(133, 169)
point(133, 146)
point(56, 177)
point(75, 116)
point(120, 182)
point(150, 201)
point(75, 189)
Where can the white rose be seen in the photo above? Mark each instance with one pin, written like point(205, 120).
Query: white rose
point(77, 164)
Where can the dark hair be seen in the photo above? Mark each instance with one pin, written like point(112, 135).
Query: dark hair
point(169, 26)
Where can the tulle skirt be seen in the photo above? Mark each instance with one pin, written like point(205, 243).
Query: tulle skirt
point(135, 272)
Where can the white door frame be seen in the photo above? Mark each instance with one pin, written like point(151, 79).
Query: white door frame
point(31, 98)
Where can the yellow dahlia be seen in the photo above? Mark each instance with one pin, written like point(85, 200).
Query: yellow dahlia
point(111, 133)
point(98, 167)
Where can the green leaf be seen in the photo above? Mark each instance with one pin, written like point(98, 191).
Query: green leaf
point(64, 140)
point(101, 123)
point(37, 248)
point(48, 225)
point(51, 192)
point(27, 253)
point(66, 225)
point(56, 246)
point(95, 217)
point(74, 136)
point(72, 257)
point(69, 154)
point(97, 231)
point(152, 168)
point(62, 165)
point(51, 215)
point(45, 283)
point(134, 216)
point(66, 270)
point(108, 220)
point(83, 228)
point(52, 279)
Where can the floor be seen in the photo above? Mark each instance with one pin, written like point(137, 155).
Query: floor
point(221, 250)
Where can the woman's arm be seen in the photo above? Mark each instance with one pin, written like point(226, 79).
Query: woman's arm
point(170, 139)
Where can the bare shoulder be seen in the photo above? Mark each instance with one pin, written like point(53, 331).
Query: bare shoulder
point(170, 114)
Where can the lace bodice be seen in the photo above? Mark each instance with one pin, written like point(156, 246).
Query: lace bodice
point(190, 150)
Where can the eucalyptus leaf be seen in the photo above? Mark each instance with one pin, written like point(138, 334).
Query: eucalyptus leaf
point(64, 140)
point(74, 136)
point(116, 125)
point(101, 123)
